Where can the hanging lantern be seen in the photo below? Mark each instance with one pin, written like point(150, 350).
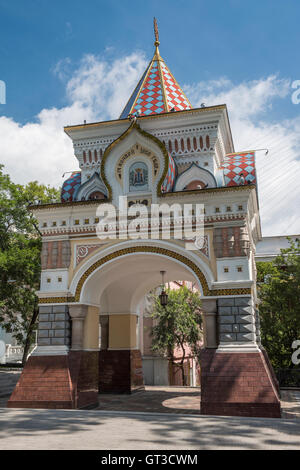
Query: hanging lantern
point(163, 297)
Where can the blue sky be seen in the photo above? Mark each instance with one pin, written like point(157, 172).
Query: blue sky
point(66, 61)
point(200, 40)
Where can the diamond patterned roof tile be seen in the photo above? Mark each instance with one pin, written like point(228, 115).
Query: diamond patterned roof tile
point(157, 83)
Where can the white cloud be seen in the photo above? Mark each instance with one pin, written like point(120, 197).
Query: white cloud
point(99, 89)
point(41, 150)
point(278, 172)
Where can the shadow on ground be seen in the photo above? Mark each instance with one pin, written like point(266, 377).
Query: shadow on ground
point(93, 429)
point(154, 399)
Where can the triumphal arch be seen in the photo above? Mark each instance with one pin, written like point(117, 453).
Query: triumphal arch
point(97, 267)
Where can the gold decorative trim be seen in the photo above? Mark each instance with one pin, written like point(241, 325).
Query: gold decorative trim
point(56, 300)
point(134, 125)
point(158, 250)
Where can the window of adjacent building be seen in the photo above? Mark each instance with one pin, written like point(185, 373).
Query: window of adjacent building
point(228, 209)
point(76, 222)
point(217, 209)
point(240, 269)
point(86, 221)
point(240, 208)
point(226, 270)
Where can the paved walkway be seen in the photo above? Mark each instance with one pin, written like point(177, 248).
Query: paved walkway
point(156, 399)
point(290, 404)
point(128, 422)
point(95, 429)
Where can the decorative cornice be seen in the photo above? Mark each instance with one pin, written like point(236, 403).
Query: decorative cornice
point(172, 194)
point(150, 117)
point(212, 190)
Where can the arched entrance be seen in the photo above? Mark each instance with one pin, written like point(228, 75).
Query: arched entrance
point(112, 287)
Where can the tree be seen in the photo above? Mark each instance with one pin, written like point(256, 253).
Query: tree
point(177, 325)
point(279, 308)
point(20, 247)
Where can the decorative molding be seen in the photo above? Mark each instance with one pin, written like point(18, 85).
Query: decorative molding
point(157, 250)
point(134, 126)
point(194, 172)
point(82, 251)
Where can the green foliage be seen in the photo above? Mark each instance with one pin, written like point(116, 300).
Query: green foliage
point(279, 308)
point(20, 247)
point(177, 324)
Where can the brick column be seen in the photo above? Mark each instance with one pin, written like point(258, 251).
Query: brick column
point(45, 380)
point(55, 376)
point(237, 378)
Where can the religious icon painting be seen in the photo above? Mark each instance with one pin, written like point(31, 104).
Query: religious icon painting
point(138, 177)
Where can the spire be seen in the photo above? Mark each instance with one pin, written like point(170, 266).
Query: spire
point(156, 43)
point(157, 91)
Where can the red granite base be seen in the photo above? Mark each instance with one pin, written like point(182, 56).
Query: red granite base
point(120, 371)
point(84, 373)
point(64, 382)
point(238, 384)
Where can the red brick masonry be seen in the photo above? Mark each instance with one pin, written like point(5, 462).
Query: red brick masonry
point(238, 384)
point(58, 382)
point(120, 371)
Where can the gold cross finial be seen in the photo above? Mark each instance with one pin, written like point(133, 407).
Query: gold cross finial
point(156, 43)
